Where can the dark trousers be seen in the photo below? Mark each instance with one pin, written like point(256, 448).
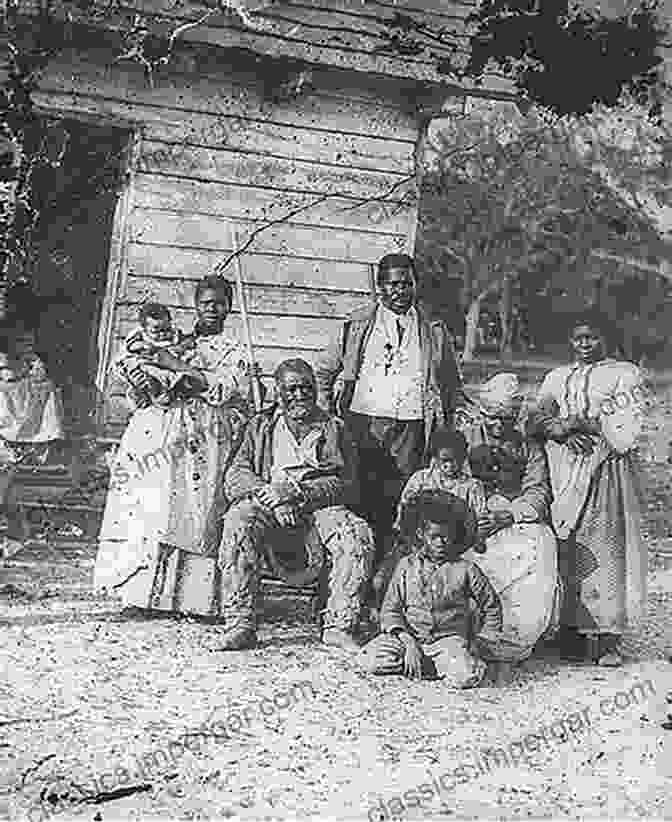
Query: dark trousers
point(389, 452)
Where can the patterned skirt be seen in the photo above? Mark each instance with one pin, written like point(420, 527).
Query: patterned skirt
point(603, 562)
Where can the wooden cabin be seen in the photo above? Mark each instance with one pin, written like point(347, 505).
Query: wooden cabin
point(295, 134)
point(298, 137)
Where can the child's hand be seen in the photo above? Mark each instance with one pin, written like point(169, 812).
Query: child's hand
point(413, 657)
point(492, 522)
point(286, 516)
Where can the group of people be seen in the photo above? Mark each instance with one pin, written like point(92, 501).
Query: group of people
point(463, 530)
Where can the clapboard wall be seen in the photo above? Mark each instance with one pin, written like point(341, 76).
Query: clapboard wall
point(211, 149)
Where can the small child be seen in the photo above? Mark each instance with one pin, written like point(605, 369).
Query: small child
point(155, 357)
point(427, 626)
point(447, 472)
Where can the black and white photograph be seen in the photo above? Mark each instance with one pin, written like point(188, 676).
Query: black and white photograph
point(335, 410)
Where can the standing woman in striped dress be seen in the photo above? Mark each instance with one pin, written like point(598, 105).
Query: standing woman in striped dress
point(588, 415)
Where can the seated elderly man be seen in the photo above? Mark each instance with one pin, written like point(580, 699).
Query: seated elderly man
point(289, 484)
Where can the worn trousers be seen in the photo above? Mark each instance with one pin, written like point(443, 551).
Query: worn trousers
point(389, 452)
point(347, 540)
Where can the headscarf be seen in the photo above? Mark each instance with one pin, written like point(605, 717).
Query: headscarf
point(501, 396)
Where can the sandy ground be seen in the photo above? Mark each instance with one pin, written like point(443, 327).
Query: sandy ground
point(91, 704)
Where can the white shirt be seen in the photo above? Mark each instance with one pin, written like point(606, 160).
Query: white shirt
point(292, 459)
point(390, 381)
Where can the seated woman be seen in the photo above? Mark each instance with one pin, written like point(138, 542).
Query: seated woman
point(30, 410)
point(31, 416)
point(521, 556)
point(588, 415)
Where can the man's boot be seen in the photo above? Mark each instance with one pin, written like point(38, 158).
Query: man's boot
point(241, 636)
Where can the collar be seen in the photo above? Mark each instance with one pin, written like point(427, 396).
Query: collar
point(391, 317)
point(391, 320)
point(317, 424)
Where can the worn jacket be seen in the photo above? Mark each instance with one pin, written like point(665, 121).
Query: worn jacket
point(517, 470)
point(442, 384)
point(333, 482)
point(431, 600)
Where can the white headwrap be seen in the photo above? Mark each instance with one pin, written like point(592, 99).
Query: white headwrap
point(501, 395)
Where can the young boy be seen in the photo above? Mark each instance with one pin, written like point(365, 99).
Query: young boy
point(427, 626)
point(155, 357)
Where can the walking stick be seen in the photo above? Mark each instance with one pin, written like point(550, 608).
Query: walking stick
point(256, 391)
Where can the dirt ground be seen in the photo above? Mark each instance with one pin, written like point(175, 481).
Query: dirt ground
point(91, 704)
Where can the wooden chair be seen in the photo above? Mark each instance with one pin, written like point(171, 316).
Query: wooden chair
point(316, 591)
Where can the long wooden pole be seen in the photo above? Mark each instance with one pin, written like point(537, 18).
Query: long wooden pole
point(247, 334)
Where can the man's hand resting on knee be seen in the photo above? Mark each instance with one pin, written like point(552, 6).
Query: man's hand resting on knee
point(278, 492)
point(280, 499)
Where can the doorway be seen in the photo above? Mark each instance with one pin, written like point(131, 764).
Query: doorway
point(73, 242)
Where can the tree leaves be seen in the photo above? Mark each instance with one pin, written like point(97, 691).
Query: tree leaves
point(568, 58)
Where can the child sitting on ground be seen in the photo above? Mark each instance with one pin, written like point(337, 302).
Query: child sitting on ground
point(427, 626)
point(155, 358)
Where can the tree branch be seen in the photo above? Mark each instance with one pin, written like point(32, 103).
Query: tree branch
point(269, 224)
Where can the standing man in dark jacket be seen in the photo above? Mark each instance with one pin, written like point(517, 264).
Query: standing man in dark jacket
point(401, 380)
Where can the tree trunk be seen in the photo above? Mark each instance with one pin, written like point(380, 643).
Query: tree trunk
point(471, 329)
point(597, 290)
point(505, 317)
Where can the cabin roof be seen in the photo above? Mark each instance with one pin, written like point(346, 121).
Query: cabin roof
point(420, 40)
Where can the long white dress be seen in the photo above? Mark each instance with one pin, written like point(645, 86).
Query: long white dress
point(159, 534)
point(596, 498)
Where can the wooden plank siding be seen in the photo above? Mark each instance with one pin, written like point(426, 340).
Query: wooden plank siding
point(347, 34)
point(303, 178)
point(371, 37)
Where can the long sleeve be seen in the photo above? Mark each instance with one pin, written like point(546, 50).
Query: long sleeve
point(543, 421)
point(534, 501)
point(241, 479)
point(226, 371)
point(328, 367)
point(338, 484)
point(412, 488)
point(392, 614)
point(487, 601)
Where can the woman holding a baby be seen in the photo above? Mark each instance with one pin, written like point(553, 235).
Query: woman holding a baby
point(190, 395)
